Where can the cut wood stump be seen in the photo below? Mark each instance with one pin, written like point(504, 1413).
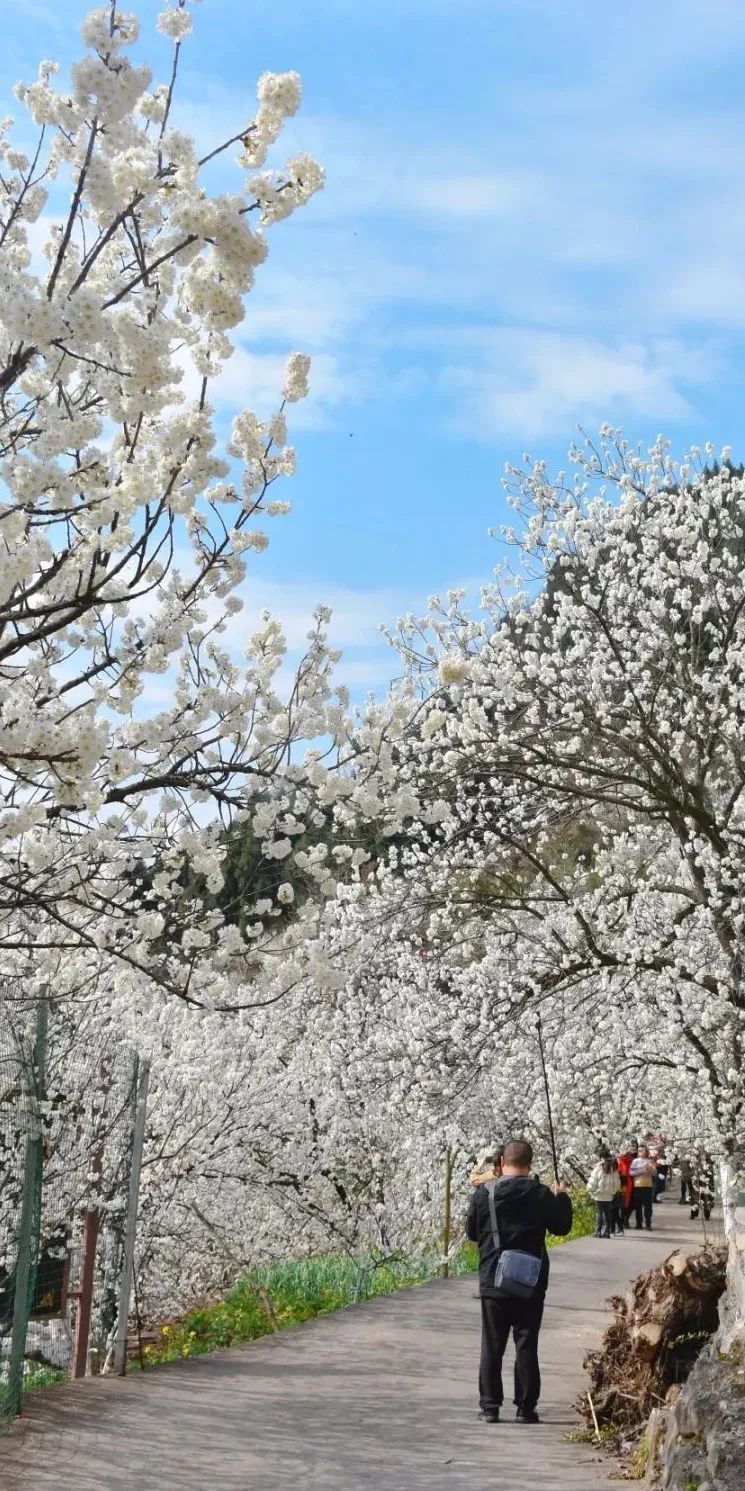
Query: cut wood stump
point(659, 1327)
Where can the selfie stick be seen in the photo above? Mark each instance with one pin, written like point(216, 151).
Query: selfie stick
point(548, 1100)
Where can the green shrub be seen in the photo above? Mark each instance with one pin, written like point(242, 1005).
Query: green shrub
point(583, 1221)
point(294, 1290)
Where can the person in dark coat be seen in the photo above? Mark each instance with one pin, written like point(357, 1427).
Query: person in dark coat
point(526, 1210)
point(686, 1182)
point(702, 1194)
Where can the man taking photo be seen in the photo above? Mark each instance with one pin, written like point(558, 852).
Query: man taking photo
point(509, 1219)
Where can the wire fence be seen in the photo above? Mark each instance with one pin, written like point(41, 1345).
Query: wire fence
point(72, 1124)
point(68, 1133)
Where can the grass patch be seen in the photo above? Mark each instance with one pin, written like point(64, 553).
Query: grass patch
point(640, 1459)
point(292, 1291)
point(586, 1435)
point(583, 1219)
point(38, 1377)
point(34, 1378)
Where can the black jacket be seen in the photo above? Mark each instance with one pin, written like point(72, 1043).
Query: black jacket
point(526, 1211)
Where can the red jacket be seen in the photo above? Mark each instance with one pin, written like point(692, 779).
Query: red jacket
point(624, 1169)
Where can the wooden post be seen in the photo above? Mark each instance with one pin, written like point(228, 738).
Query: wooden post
point(79, 1363)
point(448, 1203)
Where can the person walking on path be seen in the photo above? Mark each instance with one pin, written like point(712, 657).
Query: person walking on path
point(618, 1204)
point(702, 1190)
point(686, 1182)
point(627, 1184)
point(643, 1175)
point(509, 1219)
point(602, 1187)
point(663, 1168)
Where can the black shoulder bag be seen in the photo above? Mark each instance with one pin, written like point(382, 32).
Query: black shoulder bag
point(516, 1273)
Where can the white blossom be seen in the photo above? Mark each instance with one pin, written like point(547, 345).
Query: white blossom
point(296, 377)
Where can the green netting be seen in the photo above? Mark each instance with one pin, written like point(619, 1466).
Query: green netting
point(24, 1094)
point(66, 1117)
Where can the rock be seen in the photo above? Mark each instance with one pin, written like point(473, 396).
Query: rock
point(705, 1441)
point(682, 1463)
point(691, 1414)
point(657, 1431)
point(725, 1455)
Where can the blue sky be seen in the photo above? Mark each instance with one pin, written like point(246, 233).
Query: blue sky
point(534, 217)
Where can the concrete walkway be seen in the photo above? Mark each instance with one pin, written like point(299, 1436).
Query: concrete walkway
point(381, 1396)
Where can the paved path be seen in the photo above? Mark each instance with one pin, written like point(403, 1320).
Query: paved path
point(380, 1396)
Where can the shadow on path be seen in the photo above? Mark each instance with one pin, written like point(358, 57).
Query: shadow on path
point(380, 1396)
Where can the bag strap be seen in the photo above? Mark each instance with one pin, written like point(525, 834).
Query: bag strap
point(491, 1186)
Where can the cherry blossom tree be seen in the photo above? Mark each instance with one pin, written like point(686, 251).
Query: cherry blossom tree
point(574, 788)
point(125, 528)
point(560, 832)
point(133, 746)
point(556, 791)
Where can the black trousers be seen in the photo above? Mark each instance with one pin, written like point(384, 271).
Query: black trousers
point(523, 1318)
point(700, 1203)
point(686, 1190)
point(603, 1218)
point(643, 1205)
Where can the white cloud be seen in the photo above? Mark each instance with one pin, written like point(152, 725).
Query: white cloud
point(579, 202)
point(254, 380)
point(366, 169)
point(311, 307)
point(357, 614)
point(529, 383)
point(707, 287)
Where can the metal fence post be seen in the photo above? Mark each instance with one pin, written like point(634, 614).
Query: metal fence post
point(141, 1078)
point(30, 1217)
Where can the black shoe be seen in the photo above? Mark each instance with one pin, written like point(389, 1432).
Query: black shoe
point(489, 1415)
point(649, 1226)
point(527, 1416)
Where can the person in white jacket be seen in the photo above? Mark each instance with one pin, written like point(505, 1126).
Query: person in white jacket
point(602, 1186)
